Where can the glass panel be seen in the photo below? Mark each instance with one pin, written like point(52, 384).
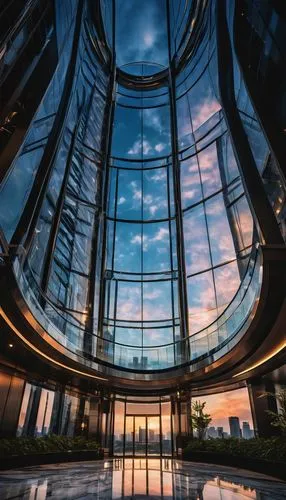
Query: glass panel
point(231, 414)
point(153, 426)
point(44, 413)
point(190, 182)
point(202, 302)
point(196, 241)
point(226, 274)
point(69, 414)
point(166, 428)
point(209, 169)
point(118, 439)
point(202, 101)
point(140, 483)
point(140, 436)
point(129, 435)
point(154, 483)
point(24, 410)
point(221, 240)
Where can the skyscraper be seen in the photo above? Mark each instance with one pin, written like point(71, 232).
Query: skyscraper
point(234, 427)
point(247, 433)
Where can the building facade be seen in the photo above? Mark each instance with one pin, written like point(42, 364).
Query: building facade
point(142, 214)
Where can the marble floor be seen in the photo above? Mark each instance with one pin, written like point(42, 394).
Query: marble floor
point(137, 478)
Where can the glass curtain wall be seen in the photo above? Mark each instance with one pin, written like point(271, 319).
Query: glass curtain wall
point(128, 242)
point(141, 281)
point(64, 151)
point(44, 412)
point(143, 311)
point(217, 222)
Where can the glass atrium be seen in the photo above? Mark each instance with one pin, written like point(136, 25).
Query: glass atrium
point(142, 216)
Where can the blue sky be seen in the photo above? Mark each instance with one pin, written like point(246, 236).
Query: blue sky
point(141, 31)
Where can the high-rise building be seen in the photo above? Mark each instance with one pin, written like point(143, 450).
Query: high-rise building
point(142, 215)
point(247, 433)
point(234, 427)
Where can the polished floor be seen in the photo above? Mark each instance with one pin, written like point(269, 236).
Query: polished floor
point(137, 478)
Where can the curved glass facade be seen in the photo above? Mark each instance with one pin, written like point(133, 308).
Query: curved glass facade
point(130, 201)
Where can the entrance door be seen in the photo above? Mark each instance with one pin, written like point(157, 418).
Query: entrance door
point(142, 435)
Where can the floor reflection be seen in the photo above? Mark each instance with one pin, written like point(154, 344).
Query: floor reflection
point(137, 478)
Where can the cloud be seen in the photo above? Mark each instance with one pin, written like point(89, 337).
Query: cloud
point(150, 202)
point(156, 302)
point(159, 176)
point(226, 404)
point(141, 31)
point(188, 195)
point(139, 239)
point(136, 240)
point(161, 234)
point(159, 147)
point(153, 209)
point(152, 294)
point(153, 119)
point(121, 200)
point(140, 146)
point(203, 111)
point(149, 38)
point(148, 199)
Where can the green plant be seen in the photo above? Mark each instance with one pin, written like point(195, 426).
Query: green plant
point(272, 449)
point(199, 420)
point(47, 444)
point(278, 419)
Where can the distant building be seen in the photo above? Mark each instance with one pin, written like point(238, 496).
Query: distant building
point(151, 436)
point(247, 433)
point(220, 432)
point(234, 427)
point(211, 432)
point(142, 435)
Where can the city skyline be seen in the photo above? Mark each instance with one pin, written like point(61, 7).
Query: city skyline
point(222, 406)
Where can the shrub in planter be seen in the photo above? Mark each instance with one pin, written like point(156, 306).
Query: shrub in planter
point(273, 449)
point(47, 444)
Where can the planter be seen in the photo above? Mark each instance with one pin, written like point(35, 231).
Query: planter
point(16, 461)
point(275, 469)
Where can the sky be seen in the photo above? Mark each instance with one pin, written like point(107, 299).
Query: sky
point(226, 404)
point(141, 31)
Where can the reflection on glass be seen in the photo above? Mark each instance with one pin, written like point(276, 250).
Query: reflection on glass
point(166, 428)
point(139, 478)
point(118, 432)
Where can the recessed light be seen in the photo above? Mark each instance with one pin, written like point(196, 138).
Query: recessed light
point(10, 345)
